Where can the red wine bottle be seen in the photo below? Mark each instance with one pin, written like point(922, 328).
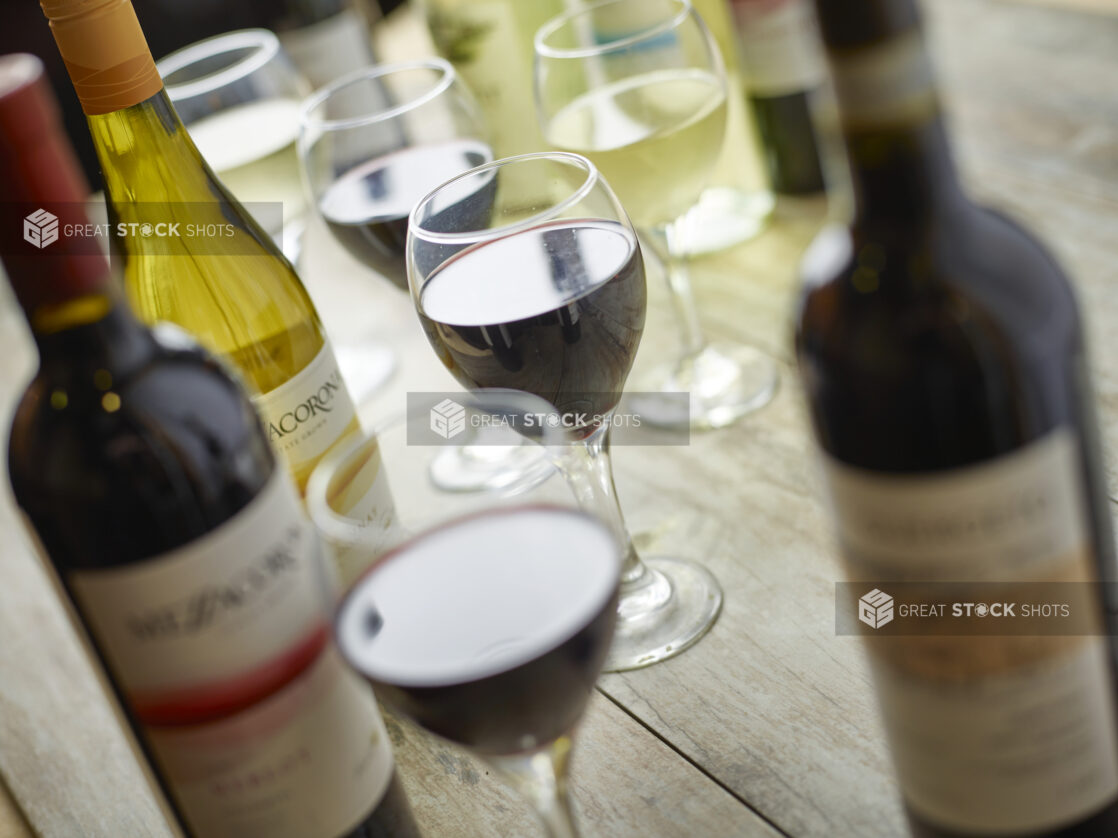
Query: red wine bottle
point(942, 355)
point(181, 546)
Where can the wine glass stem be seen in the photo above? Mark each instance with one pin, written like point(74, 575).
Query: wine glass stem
point(541, 778)
point(588, 468)
point(666, 241)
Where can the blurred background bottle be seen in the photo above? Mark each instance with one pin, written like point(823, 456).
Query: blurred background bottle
point(783, 68)
point(738, 203)
point(489, 42)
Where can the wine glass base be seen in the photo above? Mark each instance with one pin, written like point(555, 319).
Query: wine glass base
point(725, 382)
point(647, 637)
point(477, 468)
point(366, 368)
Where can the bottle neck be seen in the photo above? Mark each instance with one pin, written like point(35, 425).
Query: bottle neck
point(96, 332)
point(901, 174)
point(889, 112)
point(141, 146)
point(105, 52)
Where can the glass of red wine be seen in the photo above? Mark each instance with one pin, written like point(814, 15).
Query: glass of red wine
point(545, 293)
point(373, 143)
point(483, 617)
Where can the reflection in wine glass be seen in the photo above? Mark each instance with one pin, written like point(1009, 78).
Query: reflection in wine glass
point(547, 296)
point(238, 95)
point(638, 86)
point(483, 617)
point(373, 143)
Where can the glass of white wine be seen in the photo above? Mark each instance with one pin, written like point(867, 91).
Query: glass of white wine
point(639, 87)
point(238, 95)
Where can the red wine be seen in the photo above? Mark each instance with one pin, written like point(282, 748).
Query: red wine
point(942, 356)
point(490, 630)
point(556, 311)
point(180, 544)
point(367, 208)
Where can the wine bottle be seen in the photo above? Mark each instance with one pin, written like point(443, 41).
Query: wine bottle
point(942, 356)
point(190, 253)
point(489, 42)
point(180, 544)
point(783, 67)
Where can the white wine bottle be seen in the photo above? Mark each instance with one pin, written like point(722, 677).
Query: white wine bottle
point(189, 252)
point(174, 536)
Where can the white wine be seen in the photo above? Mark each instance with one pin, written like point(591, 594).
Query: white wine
point(251, 147)
point(654, 136)
point(229, 285)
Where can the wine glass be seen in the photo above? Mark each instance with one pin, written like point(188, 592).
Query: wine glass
point(527, 274)
point(238, 95)
point(638, 86)
point(373, 143)
point(486, 617)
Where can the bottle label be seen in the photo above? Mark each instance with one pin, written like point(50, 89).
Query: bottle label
point(989, 735)
point(780, 50)
point(330, 48)
point(888, 84)
point(223, 654)
point(307, 414)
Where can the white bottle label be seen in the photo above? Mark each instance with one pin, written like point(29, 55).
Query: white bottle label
point(780, 49)
point(989, 735)
point(223, 652)
point(355, 513)
point(888, 84)
point(307, 414)
point(329, 49)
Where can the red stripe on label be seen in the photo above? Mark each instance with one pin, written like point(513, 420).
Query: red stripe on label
point(214, 700)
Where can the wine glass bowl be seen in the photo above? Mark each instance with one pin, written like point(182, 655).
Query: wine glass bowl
point(550, 298)
point(374, 142)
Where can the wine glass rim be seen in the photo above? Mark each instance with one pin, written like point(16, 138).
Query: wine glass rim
point(265, 45)
point(577, 160)
point(558, 22)
point(376, 71)
point(347, 601)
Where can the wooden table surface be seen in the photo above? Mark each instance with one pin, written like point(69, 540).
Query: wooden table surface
point(767, 727)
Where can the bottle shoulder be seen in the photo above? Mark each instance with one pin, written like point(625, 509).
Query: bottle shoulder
point(971, 269)
point(939, 349)
point(113, 469)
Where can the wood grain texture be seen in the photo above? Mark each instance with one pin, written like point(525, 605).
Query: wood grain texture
point(774, 710)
